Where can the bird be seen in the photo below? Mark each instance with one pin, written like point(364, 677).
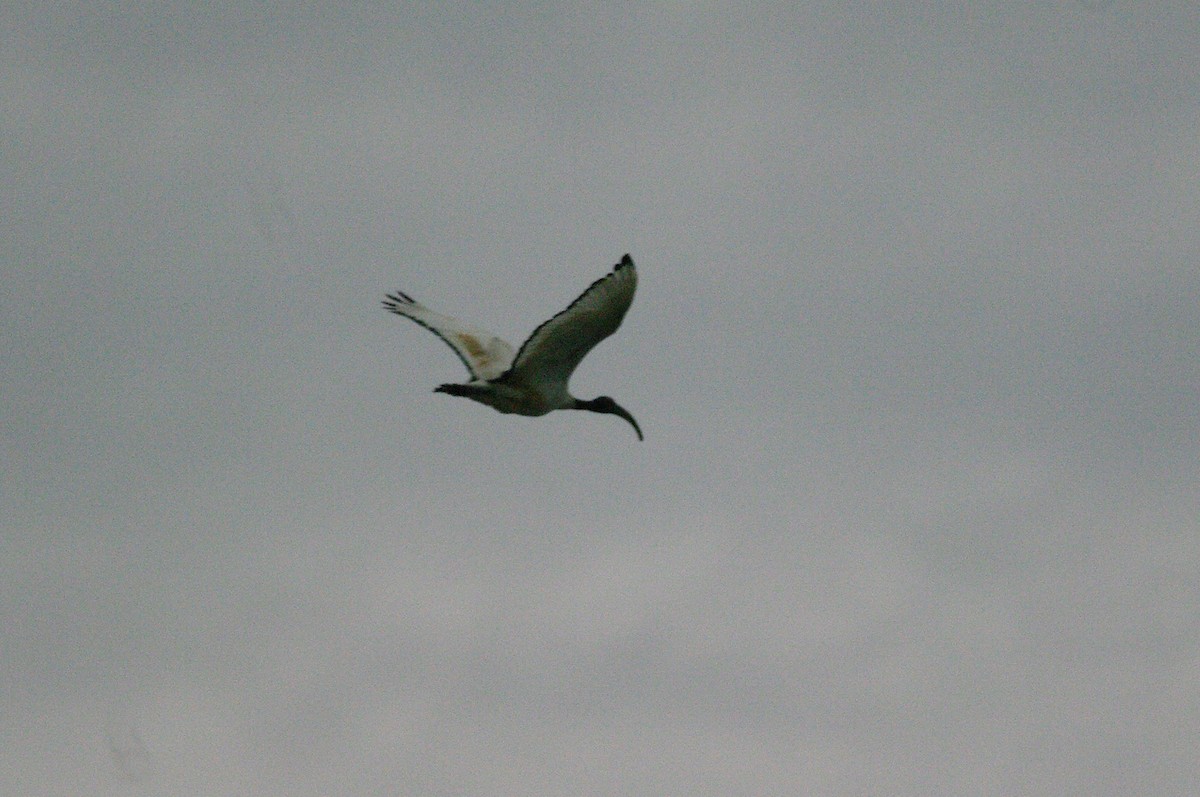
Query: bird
point(532, 380)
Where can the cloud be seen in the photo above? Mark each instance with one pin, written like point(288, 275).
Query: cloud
point(916, 510)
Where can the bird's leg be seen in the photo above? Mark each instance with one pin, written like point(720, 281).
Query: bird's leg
point(466, 391)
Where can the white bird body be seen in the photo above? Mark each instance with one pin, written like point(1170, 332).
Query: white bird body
point(533, 380)
point(514, 399)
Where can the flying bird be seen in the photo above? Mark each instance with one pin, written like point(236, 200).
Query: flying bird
point(533, 380)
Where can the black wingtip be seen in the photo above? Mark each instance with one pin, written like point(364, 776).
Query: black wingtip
point(394, 300)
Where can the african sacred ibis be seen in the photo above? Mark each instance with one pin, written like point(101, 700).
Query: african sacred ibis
point(533, 379)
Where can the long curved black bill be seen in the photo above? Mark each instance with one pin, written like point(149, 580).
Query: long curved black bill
point(619, 410)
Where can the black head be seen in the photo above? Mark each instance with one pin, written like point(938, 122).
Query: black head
point(607, 405)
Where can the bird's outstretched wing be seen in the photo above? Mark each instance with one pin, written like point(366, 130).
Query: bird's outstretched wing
point(485, 355)
point(556, 347)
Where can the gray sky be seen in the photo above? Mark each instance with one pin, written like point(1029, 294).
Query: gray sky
point(918, 509)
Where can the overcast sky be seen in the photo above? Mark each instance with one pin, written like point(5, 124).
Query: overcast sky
point(914, 350)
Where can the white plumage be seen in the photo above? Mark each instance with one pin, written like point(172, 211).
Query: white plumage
point(533, 380)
